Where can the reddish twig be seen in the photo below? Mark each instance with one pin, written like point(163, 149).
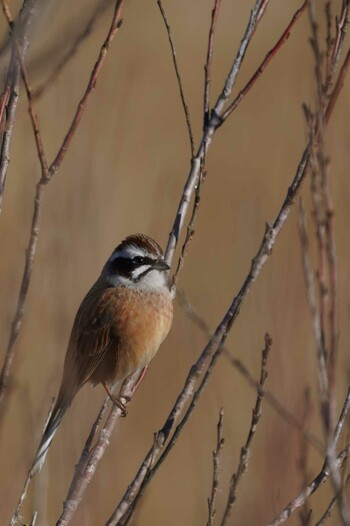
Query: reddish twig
point(270, 55)
point(116, 24)
point(243, 459)
point(341, 22)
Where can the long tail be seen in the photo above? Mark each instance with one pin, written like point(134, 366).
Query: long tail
point(50, 430)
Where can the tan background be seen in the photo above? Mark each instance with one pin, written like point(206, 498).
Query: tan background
point(124, 173)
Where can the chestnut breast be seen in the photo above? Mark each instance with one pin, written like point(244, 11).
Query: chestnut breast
point(142, 320)
point(117, 330)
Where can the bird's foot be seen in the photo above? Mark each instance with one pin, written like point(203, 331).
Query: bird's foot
point(117, 401)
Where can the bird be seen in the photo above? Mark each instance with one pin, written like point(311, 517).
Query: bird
point(118, 328)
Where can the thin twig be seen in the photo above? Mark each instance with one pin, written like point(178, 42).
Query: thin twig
point(342, 418)
point(269, 56)
point(178, 77)
point(245, 451)
point(310, 291)
point(216, 471)
point(115, 25)
point(207, 67)
point(302, 462)
point(189, 234)
point(16, 515)
point(342, 23)
point(338, 86)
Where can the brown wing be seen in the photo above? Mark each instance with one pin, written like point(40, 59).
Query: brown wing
point(93, 337)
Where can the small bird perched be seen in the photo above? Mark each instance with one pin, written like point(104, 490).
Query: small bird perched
point(118, 328)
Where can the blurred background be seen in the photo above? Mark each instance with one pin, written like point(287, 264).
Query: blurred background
point(124, 173)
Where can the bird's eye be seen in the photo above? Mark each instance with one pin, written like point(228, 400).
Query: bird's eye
point(139, 260)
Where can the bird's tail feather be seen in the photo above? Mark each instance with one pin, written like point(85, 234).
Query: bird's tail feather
point(50, 430)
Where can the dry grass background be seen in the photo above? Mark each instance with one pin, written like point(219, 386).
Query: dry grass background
point(123, 174)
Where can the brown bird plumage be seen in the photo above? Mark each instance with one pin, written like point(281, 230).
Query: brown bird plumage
point(118, 328)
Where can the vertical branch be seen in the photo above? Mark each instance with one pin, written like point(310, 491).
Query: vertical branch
point(207, 67)
point(216, 471)
point(302, 463)
point(178, 77)
point(243, 460)
point(189, 234)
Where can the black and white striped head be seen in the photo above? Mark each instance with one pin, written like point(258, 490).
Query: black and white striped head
point(137, 262)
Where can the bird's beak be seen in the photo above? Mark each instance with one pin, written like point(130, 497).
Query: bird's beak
point(160, 265)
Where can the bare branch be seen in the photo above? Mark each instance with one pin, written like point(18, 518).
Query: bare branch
point(302, 462)
point(342, 418)
point(115, 25)
point(16, 515)
point(189, 234)
point(207, 67)
point(216, 471)
point(245, 451)
point(178, 77)
point(270, 55)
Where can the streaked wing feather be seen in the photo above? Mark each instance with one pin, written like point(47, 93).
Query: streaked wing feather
point(93, 335)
